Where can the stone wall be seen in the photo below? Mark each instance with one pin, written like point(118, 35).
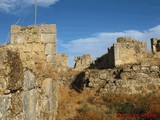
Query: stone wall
point(106, 60)
point(83, 62)
point(36, 45)
point(125, 51)
point(25, 95)
point(155, 45)
point(26, 91)
point(129, 79)
point(62, 60)
point(129, 51)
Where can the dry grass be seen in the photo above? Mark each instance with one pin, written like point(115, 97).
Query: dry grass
point(70, 101)
point(88, 106)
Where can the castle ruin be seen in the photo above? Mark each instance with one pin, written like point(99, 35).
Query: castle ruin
point(37, 45)
point(31, 68)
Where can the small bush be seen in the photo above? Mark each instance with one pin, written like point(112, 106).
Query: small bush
point(125, 108)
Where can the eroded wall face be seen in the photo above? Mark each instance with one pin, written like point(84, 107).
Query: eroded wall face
point(83, 62)
point(37, 46)
point(125, 51)
point(129, 79)
point(155, 45)
point(129, 51)
point(25, 95)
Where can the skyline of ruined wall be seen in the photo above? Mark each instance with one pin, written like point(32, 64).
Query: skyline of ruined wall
point(125, 51)
point(41, 38)
point(37, 46)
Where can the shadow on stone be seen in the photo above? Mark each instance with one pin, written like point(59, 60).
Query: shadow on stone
point(79, 82)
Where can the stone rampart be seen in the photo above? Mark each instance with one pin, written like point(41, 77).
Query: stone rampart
point(36, 45)
point(24, 95)
point(125, 51)
point(83, 62)
point(130, 79)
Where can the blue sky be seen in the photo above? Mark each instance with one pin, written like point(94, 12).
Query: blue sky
point(85, 26)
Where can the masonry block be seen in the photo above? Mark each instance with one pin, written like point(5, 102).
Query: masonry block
point(15, 29)
point(117, 47)
point(29, 80)
point(17, 39)
point(50, 49)
point(29, 105)
point(51, 58)
point(48, 29)
point(48, 38)
point(5, 103)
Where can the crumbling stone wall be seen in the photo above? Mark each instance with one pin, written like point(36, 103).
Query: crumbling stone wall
point(62, 60)
point(83, 62)
point(125, 51)
point(11, 72)
point(25, 95)
point(36, 45)
point(155, 45)
point(129, 79)
point(129, 51)
point(106, 60)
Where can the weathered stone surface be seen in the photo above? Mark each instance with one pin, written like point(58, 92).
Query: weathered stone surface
point(16, 108)
point(124, 76)
point(29, 105)
point(35, 44)
point(154, 68)
point(50, 49)
point(136, 67)
point(145, 70)
point(15, 28)
point(83, 62)
point(127, 69)
point(32, 96)
point(144, 75)
point(12, 70)
point(5, 103)
point(37, 48)
point(62, 60)
point(17, 39)
point(29, 80)
point(55, 98)
point(145, 63)
point(51, 58)
point(48, 38)
point(45, 28)
point(125, 51)
point(48, 104)
point(154, 75)
point(103, 76)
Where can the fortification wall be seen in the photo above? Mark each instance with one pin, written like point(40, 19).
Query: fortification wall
point(155, 45)
point(130, 79)
point(129, 51)
point(106, 60)
point(37, 46)
point(83, 62)
point(24, 95)
point(125, 51)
